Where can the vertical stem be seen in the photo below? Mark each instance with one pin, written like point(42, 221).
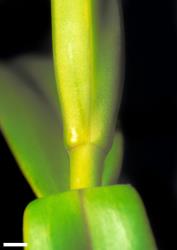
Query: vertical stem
point(86, 166)
point(87, 42)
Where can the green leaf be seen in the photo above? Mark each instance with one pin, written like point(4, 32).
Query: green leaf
point(39, 71)
point(32, 126)
point(103, 218)
point(113, 161)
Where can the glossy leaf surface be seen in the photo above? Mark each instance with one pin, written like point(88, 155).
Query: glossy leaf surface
point(100, 218)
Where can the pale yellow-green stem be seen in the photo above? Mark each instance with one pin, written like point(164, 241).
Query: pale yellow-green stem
point(86, 166)
point(87, 42)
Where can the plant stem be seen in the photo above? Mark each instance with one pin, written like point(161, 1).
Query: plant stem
point(86, 166)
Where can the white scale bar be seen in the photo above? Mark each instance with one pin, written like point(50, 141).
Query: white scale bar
point(15, 244)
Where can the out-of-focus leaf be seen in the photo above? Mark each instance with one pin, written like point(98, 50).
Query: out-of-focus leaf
point(31, 126)
point(38, 70)
point(103, 218)
point(113, 161)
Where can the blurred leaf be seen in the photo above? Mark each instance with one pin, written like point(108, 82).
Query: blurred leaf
point(39, 71)
point(113, 161)
point(103, 218)
point(32, 128)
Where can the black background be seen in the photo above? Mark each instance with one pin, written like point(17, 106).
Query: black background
point(148, 114)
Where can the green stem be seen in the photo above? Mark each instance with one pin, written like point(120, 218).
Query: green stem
point(86, 166)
